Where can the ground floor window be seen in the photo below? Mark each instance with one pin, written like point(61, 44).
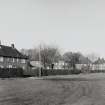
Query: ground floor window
point(1, 66)
point(23, 67)
point(1, 59)
point(9, 66)
point(23, 61)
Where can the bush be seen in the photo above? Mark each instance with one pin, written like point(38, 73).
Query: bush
point(59, 72)
point(97, 71)
point(11, 72)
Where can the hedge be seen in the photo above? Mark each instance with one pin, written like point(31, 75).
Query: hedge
point(49, 72)
point(59, 72)
point(97, 71)
point(11, 72)
point(18, 72)
point(45, 72)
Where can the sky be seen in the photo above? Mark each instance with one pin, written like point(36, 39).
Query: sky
point(72, 25)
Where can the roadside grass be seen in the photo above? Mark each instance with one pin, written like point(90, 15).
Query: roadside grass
point(27, 91)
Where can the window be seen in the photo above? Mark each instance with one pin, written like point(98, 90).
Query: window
point(1, 66)
point(23, 61)
point(17, 60)
point(1, 59)
point(10, 66)
point(10, 59)
point(13, 59)
point(13, 66)
point(23, 67)
point(7, 59)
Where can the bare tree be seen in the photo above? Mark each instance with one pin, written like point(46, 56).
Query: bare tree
point(49, 55)
point(32, 53)
point(71, 58)
point(93, 57)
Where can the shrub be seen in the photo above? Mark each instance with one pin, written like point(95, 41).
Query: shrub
point(59, 72)
point(11, 72)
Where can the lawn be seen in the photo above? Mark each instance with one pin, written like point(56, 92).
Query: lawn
point(30, 91)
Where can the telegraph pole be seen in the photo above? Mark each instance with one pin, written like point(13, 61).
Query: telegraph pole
point(39, 62)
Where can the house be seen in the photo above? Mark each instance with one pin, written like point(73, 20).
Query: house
point(10, 57)
point(99, 64)
point(36, 64)
point(84, 64)
point(60, 65)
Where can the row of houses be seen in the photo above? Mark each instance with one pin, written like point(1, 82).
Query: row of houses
point(10, 57)
point(99, 64)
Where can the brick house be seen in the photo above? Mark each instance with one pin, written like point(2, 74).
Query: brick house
point(10, 57)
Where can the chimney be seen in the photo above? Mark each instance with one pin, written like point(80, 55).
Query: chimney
point(12, 45)
point(0, 42)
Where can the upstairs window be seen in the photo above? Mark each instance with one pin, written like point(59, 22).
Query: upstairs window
point(1, 59)
point(8, 59)
point(23, 61)
point(13, 59)
point(17, 60)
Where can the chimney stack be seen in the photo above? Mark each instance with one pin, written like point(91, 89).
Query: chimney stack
point(12, 45)
point(0, 42)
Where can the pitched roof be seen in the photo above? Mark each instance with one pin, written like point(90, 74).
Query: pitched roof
point(84, 60)
point(7, 51)
point(99, 61)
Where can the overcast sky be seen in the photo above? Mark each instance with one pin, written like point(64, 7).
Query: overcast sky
point(72, 25)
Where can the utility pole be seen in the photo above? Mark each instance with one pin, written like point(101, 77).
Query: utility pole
point(39, 62)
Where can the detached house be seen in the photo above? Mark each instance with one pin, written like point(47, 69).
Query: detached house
point(99, 64)
point(10, 57)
